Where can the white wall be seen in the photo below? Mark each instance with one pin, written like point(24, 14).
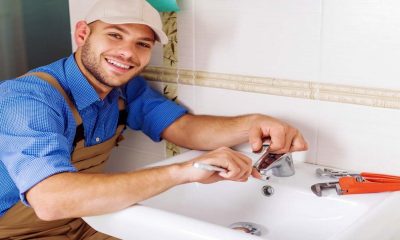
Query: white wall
point(352, 42)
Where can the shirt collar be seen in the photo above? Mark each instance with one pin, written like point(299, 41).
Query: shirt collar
point(81, 91)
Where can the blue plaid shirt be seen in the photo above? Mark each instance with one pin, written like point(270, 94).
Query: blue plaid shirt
point(37, 128)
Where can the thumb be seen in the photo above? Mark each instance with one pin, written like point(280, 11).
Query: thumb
point(255, 139)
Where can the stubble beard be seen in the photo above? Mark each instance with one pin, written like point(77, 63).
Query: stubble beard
point(93, 67)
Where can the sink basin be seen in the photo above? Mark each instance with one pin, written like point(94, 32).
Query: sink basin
point(205, 211)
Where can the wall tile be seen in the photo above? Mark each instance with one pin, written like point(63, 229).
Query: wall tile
point(157, 56)
point(358, 138)
point(124, 159)
point(187, 96)
point(136, 151)
point(260, 38)
point(361, 43)
point(186, 29)
point(138, 141)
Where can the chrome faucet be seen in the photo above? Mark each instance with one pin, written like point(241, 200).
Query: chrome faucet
point(281, 165)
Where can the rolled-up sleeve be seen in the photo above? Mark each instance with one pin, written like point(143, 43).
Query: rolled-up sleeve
point(148, 110)
point(32, 144)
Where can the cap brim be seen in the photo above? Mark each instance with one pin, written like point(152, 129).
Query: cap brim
point(160, 35)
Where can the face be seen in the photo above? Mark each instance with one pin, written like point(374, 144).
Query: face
point(114, 54)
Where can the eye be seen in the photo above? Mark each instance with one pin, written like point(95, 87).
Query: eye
point(144, 44)
point(115, 35)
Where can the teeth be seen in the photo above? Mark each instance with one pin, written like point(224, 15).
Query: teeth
point(118, 64)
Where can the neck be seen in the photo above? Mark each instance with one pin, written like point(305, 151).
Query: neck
point(101, 89)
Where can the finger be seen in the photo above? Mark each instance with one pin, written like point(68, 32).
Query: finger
point(237, 164)
point(245, 159)
point(299, 143)
point(278, 138)
point(244, 179)
point(289, 137)
point(256, 174)
point(255, 138)
point(243, 162)
point(233, 169)
point(245, 170)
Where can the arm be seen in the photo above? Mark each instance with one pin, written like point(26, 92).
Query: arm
point(204, 132)
point(36, 156)
point(67, 195)
point(210, 132)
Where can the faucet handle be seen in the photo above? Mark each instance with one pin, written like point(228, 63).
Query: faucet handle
point(266, 158)
point(281, 165)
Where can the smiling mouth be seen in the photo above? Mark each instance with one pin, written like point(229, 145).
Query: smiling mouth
point(119, 65)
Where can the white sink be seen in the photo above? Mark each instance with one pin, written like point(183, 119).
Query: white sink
point(197, 211)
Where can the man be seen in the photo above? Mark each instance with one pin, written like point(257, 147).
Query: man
point(59, 123)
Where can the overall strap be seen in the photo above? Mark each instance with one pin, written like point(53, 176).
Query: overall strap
point(53, 82)
point(79, 133)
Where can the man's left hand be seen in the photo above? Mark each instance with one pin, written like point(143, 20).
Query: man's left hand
point(283, 137)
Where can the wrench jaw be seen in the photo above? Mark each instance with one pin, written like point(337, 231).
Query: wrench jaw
point(318, 188)
point(328, 172)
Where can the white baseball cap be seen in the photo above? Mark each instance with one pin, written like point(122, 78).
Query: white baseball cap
point(128, 11)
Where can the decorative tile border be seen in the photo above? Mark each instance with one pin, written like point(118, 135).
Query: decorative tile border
point(373, 97)
point(170, 60)
point(170, 55)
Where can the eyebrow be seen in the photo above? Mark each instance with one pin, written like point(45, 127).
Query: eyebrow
point(117, 28)
point(126, 32)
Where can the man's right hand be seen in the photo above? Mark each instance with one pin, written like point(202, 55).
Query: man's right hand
point(239, 167)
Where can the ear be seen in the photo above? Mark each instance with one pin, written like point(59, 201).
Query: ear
point(82, 32)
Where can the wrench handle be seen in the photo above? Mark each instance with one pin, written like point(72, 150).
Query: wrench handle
point(349, 185)
point(371, 176)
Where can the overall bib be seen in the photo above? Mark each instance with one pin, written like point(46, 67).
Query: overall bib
point(20, 222)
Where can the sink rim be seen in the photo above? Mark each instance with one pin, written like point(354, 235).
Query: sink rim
point(191, 225)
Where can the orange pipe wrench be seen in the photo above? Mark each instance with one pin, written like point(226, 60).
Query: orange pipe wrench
point(350, 183)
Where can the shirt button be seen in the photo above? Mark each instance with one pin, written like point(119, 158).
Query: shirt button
point(97, 139)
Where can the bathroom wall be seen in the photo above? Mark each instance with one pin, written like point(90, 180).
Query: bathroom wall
point(326, 67)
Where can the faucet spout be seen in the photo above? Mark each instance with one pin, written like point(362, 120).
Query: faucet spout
point(281, 165)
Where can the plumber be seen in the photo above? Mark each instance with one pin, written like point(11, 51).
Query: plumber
point(58, 124)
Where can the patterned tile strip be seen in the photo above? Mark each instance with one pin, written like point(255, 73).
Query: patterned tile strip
point(170, 60)
point(374, 97)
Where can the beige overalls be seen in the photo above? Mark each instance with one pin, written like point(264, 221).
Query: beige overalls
point(21, 222)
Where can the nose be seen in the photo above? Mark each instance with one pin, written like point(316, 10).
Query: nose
point(128, 54)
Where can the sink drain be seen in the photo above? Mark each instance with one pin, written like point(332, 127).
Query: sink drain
point(267, 190)
point(247, 227)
